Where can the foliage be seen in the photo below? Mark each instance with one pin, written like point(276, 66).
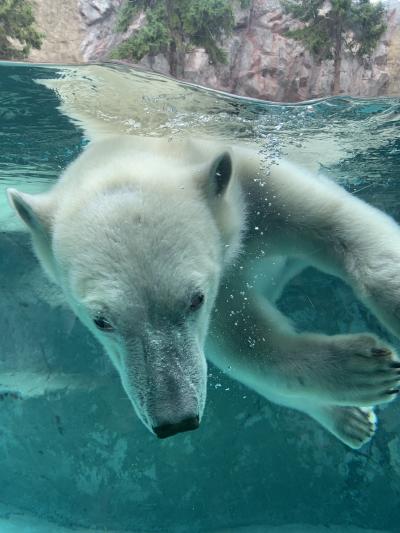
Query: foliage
point(205, 22)
point(152, 38)
point(172, 27)
point(17, 31)
point(368, 26)
point(355, 26)
point(126, 13)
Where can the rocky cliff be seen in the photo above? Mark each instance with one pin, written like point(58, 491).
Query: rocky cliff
point(262, 62)
point(64, 30)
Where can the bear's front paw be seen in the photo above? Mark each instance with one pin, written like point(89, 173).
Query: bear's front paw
point(362, 370)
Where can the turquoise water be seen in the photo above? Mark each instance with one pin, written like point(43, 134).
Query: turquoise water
point(72, 451)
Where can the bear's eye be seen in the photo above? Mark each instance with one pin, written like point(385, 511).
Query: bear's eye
point(197, 301)
point(102, 323)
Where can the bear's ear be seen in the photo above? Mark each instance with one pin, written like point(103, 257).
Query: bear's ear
point(34, 210)
point(219, 175)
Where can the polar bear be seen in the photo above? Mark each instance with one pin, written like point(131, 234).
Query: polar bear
point(150, 237)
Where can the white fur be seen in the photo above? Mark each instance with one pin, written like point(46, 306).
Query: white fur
point(134, 227)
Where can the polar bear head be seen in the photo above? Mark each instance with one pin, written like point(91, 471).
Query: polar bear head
point(138, 245)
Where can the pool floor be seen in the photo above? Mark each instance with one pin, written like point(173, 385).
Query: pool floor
point(14, 521)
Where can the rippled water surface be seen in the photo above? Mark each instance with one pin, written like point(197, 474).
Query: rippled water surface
point(72, 452)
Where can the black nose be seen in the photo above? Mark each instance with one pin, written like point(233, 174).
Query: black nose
point(167, 430)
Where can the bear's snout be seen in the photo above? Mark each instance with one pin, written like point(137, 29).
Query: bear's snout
point(168, 430)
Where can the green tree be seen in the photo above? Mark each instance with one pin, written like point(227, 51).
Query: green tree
point(17, 31)
point(332, 27)
point(173, 26)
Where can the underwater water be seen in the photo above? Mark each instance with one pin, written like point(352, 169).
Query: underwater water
point(73, 454)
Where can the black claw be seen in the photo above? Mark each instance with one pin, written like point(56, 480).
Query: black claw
point(392, 391)
point(396, 364)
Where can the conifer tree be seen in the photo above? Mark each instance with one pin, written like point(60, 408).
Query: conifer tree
point(332, 27)
point(173, 26)
point(17, 29)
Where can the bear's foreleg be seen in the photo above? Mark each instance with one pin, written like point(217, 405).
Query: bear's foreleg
point(263, 351)
point(316, 220)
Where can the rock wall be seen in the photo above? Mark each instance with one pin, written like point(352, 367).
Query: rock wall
point(99, 18)
point(393, 56)
point(64, 31)
point(262, 62)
